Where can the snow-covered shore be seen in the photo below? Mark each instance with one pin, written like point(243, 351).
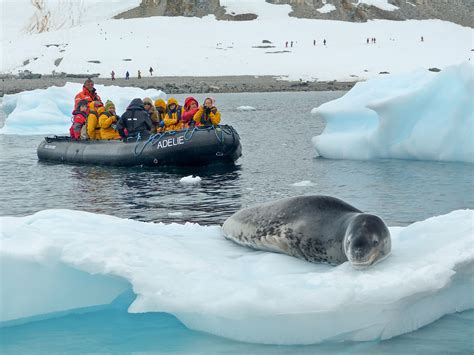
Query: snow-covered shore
point(274, 44)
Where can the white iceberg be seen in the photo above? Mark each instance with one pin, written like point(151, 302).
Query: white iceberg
point(48, 111)
point(216, 286)
point(421, 115)
point(191, 179)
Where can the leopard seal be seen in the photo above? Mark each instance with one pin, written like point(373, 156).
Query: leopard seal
point(314, 228)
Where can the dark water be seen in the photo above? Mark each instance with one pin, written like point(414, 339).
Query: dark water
point(277, 150)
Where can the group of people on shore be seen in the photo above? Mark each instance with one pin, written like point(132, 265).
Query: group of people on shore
point(94, 120)
point(127, 74)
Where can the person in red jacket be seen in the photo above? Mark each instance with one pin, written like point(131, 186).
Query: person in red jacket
point(88, 93)
point(191, 106)
point(79, 120)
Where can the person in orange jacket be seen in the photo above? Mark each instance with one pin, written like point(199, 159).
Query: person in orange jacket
point(88, 93)
point(207, 115)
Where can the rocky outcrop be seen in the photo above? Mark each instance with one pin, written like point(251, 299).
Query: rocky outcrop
point(457, 11)
point(189, 8)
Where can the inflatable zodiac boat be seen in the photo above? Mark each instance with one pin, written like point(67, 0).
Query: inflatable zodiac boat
point(190, 147)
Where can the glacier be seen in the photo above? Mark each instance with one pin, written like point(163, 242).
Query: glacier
point(213, 285)
point(49, 111)
point(418, 115)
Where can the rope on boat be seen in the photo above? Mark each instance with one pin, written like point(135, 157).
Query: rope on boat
point(154, 139)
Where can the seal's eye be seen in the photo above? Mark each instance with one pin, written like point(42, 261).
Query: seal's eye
point(375, 242)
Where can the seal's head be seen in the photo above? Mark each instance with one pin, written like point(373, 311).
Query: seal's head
point(367, 240)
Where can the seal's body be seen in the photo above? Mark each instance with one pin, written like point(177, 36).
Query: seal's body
point(314, 228)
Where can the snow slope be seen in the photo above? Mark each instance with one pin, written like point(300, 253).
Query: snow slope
point(33, 16)
point(207, 47)
point(418, 115)
point(214, 285)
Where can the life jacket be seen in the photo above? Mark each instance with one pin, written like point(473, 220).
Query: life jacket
point(96, 114)
point(78, 123)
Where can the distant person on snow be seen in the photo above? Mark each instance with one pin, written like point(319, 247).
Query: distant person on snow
point(127, 75)
point(314, 42)
point(79, 120)
point(160, 106)
point(139, 74)
point(88, 93)
point(173, 115)
point(135, 121)
point(286, 44)
point(150, 108)
point(324, 42)
point(422, 39)
point(93, 128)
point(191, 106)
point(151, 71)
point(207, 115)
point(108, 121)
point(112, 74)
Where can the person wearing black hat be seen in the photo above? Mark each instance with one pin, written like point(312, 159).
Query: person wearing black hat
point(135, 121)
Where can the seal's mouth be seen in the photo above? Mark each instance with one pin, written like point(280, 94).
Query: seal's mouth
point(370, 261)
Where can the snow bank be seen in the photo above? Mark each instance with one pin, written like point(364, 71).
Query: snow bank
point(381, 4)
point(22, 16)
point(260, 8)
point(236, 48)
point(48, 111)
point(326, 8)
point(216, 286)
point(420, 115)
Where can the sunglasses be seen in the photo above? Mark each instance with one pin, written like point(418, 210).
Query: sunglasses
point(147, 104)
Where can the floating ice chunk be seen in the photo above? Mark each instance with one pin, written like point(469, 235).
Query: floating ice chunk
point(191, 179)
point(420, 115)
point(214, 285)
point(48, 111)
point(246, 108)
point(303, 183)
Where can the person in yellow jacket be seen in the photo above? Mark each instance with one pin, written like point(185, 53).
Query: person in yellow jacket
point(207, 115)
point(160, 106)
point(107, 122)
point(173, 116)
point(95, 110)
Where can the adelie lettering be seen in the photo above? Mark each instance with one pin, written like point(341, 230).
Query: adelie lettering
point(170, 142)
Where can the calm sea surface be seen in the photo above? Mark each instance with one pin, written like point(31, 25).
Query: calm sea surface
point(277, 153)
